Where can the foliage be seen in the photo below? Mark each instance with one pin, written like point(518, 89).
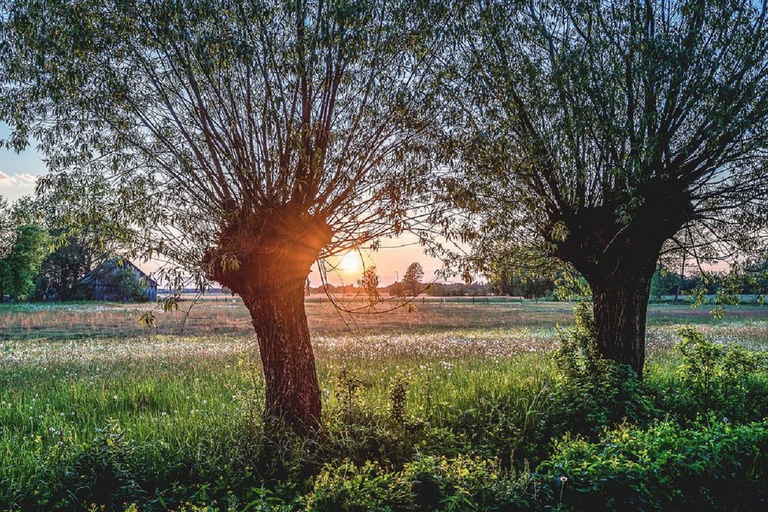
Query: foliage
point(594, 132)
point(369, 283)
point(411, 283)
point(593, 392)
point(717, 378)
point(101, 474)
point(663, 282)
point(426, 483)
point(244, 141)
point(314, 138)
point(712, 466)
point(60, 271)
point(86, 228)
point(6, 228)
point(130, 285)
point(460, 418)
point(20, 265)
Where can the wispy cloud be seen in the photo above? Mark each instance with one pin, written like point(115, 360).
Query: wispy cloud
point(13, 186)
point(17, 180)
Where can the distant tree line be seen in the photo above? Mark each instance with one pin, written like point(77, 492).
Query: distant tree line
point(749, 278)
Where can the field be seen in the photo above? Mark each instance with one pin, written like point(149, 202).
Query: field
point(99, 413)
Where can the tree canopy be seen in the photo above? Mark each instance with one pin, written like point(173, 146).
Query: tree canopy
point(245, 139)
point(25, 245)
point(597, 131)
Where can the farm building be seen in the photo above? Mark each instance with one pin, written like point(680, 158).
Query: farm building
point(119, 281)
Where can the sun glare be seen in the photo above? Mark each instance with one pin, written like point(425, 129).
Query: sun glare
point(350, 262)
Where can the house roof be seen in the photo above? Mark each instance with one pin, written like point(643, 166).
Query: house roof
point(108, 267)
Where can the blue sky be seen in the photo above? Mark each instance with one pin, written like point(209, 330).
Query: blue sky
point(18, 172)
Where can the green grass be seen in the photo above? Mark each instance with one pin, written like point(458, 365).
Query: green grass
point(182, 412)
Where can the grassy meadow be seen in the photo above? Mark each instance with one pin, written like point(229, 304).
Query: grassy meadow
point(452, 406)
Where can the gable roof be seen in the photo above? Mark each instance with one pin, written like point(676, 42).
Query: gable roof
point(111, 267)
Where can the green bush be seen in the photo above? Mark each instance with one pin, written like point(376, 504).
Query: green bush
point(427, 483)
point(714, 466)
point(723, 380)
point(101, 474)
point(130, 286)
point(592, 392)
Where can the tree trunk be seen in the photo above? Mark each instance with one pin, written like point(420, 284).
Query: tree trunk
point(266, 258)
point(618, 261)
point(620, 305)
point(292, 390)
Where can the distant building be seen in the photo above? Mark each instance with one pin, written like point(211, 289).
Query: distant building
point(118, 280)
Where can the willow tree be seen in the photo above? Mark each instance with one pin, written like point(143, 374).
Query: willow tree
point(597, 130)
point(246, 139)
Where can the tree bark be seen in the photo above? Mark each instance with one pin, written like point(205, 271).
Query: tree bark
point(266, 258)
point(280, 321)
point(620, 306)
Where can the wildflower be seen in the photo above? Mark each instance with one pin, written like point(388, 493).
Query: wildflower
point(563, 479)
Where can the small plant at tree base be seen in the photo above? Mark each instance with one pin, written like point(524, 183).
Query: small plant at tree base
point(348, 394)
point(593, 392)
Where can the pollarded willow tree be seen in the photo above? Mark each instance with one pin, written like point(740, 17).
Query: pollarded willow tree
point(245, 138)
point(597, 130)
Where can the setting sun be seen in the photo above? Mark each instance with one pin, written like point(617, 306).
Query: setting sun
point(350, 262)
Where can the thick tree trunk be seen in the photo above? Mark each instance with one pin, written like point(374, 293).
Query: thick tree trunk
point(266, 259)
point(618, 261)
point(292, 390)
point(620, 305)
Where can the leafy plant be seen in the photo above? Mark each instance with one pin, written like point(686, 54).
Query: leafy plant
point(427, 483)
point(715, 466)
point(717, 378)
point(593, 392)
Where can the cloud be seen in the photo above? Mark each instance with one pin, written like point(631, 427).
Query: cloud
point(17, 180)
point(27, 179)
point(14, 186)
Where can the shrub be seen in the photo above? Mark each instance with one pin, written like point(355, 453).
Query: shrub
point(101, 475)
point(426, 483)
point(593, 392)
point(715, 466)
point(719, 379)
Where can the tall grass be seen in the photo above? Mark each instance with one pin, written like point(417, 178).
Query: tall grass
point(176, 418)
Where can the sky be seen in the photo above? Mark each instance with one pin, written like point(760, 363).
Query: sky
point(19, 172)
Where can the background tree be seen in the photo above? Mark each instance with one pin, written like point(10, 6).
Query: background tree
point(29, 244)
point(596, 130)
point(246, 139)
point(411, 284)
point(663, 282)
point(369, 283)
point(86, 229)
